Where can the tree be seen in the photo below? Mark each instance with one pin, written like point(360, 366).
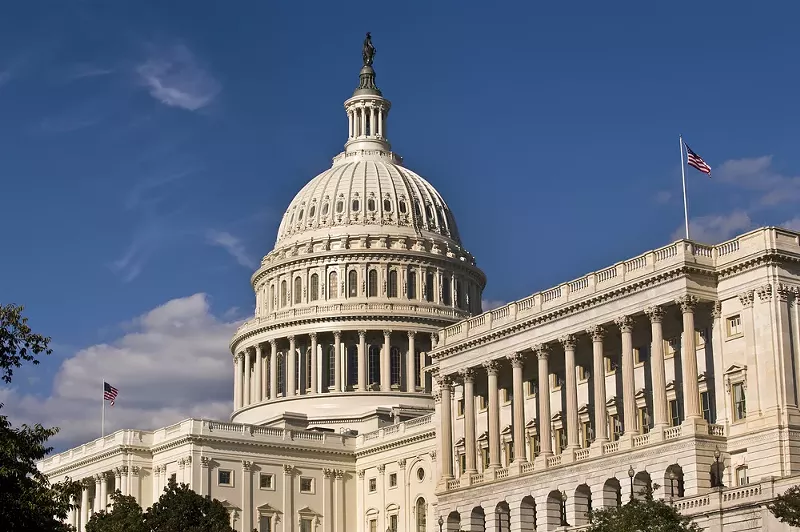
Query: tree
point(125, 516)
point(647, 515)
point(27, 499)
point(786, 507)
point(180, 508)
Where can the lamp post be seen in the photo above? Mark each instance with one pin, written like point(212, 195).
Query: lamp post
point(631, 473)
point(672, 478)
point(717, 470)
point(564, 508)
point(441, 523)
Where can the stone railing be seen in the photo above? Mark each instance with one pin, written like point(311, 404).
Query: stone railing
point(392, 432)
point(126, 437)
point(665, 258)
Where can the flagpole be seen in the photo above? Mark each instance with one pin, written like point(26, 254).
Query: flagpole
point(683, 180)
point(103, 416)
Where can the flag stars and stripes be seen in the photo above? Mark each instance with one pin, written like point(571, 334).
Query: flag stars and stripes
point(696, 161)
point(109, 393)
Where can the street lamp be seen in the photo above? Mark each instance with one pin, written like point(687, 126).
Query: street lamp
point(717, 470)
point(441, 523)
point(631, 473)
point(564, 509)
point(672, 478)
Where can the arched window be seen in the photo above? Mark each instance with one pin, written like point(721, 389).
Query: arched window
point(339, 206)
point(371, 204)
point(446, 299)
point(393, 283)
point(387, 205)
point(372, 282)
point(314, 292)
point(395, 364)
point(272, 297)
point(283, 293)
point(333, 285)
point(300, 216)
point(311, 211)
point(374, 365)
point(281, 381)
point(352, 365)
point(308, 356)
point(352, 284)
point(458, 297)
point(356, 205)
point(411, 284)
point(331, 366)
point(298, 290)
point(402, 207)
point(429, 286)
point(422, 519)
point(324, 209)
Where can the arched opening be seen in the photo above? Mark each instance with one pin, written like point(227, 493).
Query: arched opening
point(281, 374)
point(429, 286)
point(555, 510)
point(331, 359)
point(392, 283)
point(673, 482)
point(411, 284)
point(298, 290)
point(307, 366)
point(313, 293)
point(458, 297)
point(527, 513)
point(352, 284)
point(374, 370)
point(453, 522)
point(502, 515)
point(642, 485)
point(272, 298)
point(446, 295)
point(372, 283)
point(352, 366)
point(582, 502)
point(477, 519)
point(420, 515)
point(284, 302)
point(333, 285)
point(396, 364)
point(612, 493)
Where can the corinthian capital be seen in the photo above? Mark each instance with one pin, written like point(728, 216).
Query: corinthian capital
point(468, 375)
point(517, 359)
point(655, 313)
point(492, 367)
point(568, 342)
point(597, 332)
point(625, 324)
point(542, 351)
point(687, 303)
point(746, 298)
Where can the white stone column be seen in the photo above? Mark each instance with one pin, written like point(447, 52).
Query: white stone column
point(657, 371)
point(446, 434)
point(717, 348)
point(492, 370)
point(288, 499)
point(625, 324)
point(136, 483)
point(291, 370)
point(410, 372)
point(337, 361)
point(518, 396)
point(205, 478)
point(338, 490)
point(273, 370)
point(248, 388)
point(123, 471)
point(469, 420)
point(543, 397)
point(691, 390)
point(362, 361)
point(237, 381)
point(568, 342)
point(314, 357)
point(597, 333)
point(373, 129)
point(422, 371)
point(84, 516)
point(350, 124)
point(380, 123)
point(104, 478)
point(98, 490)
point(247, 495)
point(386, 365)
point(72, 514)
point(327, 500)
point(363, 130)
point(259, 374)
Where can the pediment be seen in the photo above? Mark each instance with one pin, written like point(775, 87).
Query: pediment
point(735, 368)
point(393, 508)
point(584, 409)
point(531, 424)
point(670, 386)
point(459, 443)
point(639, 394)
point(267, 509)
point(484, 436)
point(228, 505)
point(702, 377)
point(307, 511)
point(506, 430)
point(557, 416)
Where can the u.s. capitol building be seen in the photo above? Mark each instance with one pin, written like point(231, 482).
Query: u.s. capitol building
point(371, 392)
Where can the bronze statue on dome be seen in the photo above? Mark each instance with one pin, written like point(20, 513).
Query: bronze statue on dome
point(369, 50)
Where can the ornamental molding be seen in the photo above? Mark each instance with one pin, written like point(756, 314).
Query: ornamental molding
point(245, 444)
point(399, 443)
point(139, 451)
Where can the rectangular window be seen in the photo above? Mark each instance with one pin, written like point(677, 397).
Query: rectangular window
point(534, 446)
point(174, 477)
point(331, 367)
point(306, 485)
point(306, 524)
point(742, 479)
point(530, 387)
point(485, 457)
point(225, 477)
point(373, 525)
point(674, 413)
point(705, 404)
point(392, 480)
point(393, 523)
point(505, 394)
point(583, 375)
point(734, 325)
point(460, 408)
point(373, 485)
point(394, 366)
point(739, 401)
point(558, 437)
point(429, 286)
point(266, 481)
point(609, 365)
point(586, 434)
point(555, 382)
point(481, 403)
point(639, 355)
point(700, 338)
point(266, 523)
point(462, 463)
point(614, 427)
point(509, 449)
point(644, 420)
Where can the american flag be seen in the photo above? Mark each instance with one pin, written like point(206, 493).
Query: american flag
point(695, 160)
point(109, 393)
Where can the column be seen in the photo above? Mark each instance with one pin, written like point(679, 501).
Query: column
point(362, 361)
point(291, 371)
point(517, 365)
point(492, 370)
point(350, 124)
point(84, 517)
point(337, 361)
point(136, 483)
point(72, 514)
point(380, 123)
point(363, 130)
point(691, 390)
point(446, 421)
point(104, 478)
point(98, 480)
point(314, 384)
point(386, 364)
point(469, 419)
point(237, 381)
point(205, 479)
point(658, 376)
point(259, 374)
point(573, 429)
point(625, 324)
point(422, 371)
point(543, 397)
point(288, 499)
point(273, 369)
point(123, 482)
point(382, 494)
point(338, 494)
point(373, 129)
point(247, 498)
point(247, 397)
point(599, 375)
point(410, 372)
point(327, 500)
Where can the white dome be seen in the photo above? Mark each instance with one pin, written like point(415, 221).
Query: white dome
point(367, 195)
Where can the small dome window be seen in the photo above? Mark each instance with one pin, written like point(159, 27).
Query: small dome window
point(356, 205)
point(417, 210)
point(428, 212)
point(371, 204)
point(311, 211)
point(402, 207)
point(387, 205)
point(339, 206)
point(291, 219)
point(324, 209)
point(300, 216)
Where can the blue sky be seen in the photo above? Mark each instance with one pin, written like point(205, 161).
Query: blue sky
point(149, 149)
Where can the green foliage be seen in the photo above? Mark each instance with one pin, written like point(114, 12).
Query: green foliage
point(646, 515)
point(786, 507)
point(178, 509)
point(27, 500)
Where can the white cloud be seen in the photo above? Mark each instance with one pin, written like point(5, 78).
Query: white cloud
point(232, 245)
point(171, 364)
point(793, 224)
point(758, 174)
point(716, 228)
point(489, 304)
point(174, 78)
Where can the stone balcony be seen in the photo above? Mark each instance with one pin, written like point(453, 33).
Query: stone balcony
point(393, 432)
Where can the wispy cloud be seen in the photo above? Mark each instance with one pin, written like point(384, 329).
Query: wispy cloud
point(758, 174)
point(86, 70)
point(716, 228)
point(175, 78)
point(490, 304)
point(232, 245)
point(151, 190)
